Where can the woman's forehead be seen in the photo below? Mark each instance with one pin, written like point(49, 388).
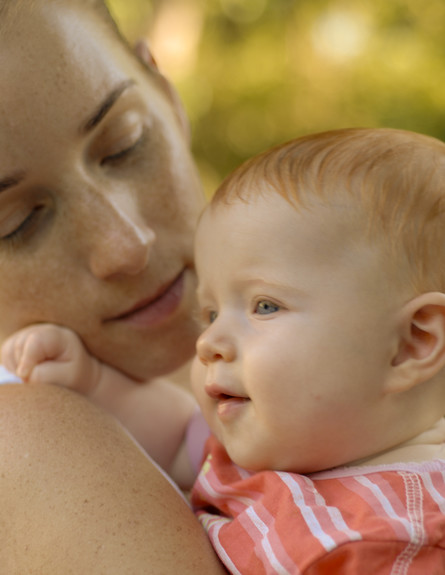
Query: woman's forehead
point(54, 39)
point(50, 82)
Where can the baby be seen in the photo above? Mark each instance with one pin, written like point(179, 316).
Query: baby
point(320, 369)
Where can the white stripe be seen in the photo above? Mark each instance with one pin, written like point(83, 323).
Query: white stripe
point(214, 534)
point(265, 543)
point(437, 497)
point(206, 486)
point(243, 473)
point(334, 514)
point(414, 508)
point(384, 501)
point(307, 513)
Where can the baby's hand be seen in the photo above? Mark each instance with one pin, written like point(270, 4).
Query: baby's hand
point(46, 353)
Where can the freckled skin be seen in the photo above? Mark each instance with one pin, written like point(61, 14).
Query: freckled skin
point(116, 231)
point(86, 234)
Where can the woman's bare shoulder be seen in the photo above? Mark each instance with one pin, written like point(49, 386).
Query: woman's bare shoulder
point(77, 495)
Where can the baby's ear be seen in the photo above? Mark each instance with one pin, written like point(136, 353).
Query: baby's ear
point(421, 351)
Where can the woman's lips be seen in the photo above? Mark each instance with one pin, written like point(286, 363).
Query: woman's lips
point(155, 310)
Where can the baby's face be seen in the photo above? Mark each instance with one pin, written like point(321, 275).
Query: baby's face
point(300, 324)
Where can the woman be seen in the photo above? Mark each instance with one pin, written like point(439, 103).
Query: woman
point(99, 199)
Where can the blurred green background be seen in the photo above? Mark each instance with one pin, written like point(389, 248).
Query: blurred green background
point(254, 73)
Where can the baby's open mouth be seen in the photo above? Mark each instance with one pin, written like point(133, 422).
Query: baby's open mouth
point(230, 405)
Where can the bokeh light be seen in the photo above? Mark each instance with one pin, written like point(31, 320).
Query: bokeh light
point(254, 73)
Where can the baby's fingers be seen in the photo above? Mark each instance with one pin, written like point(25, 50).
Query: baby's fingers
point(32, 353)
point(50, 373)
point(12, 351)
point(30, 347)
point(41, 345)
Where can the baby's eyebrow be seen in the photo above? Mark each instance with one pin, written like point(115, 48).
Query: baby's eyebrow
point(105, 106)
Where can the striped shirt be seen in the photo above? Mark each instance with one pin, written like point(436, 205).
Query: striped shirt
point(380, 520)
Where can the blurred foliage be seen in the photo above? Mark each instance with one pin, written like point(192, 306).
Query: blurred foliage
point(254, 73)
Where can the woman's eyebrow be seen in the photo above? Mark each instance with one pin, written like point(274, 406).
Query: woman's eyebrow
point(99, 113)
point(104, 107)
point(11, 181)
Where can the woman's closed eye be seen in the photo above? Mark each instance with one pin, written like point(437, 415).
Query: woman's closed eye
point(120, 138)
point(125, 152)
point(25, 226)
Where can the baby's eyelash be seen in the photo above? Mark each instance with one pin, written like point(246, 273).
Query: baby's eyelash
point(199, 319)
point(212, 315)
point(204, 317)
point(266, 307)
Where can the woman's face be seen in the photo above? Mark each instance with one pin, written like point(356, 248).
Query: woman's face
point(99, 197)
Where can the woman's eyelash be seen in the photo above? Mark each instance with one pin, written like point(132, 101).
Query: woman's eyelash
point(23, 228)
point(122, 154)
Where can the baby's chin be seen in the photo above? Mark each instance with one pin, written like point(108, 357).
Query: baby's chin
point(258, 462)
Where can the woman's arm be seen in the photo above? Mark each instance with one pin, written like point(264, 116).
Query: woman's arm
point(78, 496)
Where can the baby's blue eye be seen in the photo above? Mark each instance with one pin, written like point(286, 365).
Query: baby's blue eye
point(265, 307)
point(212, 316)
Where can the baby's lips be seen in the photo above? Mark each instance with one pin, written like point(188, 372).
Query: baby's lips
point(216, 391)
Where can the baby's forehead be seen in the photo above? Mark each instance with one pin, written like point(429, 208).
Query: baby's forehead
point(265, 239)
point(254, 213)
point(339, 205)
point(330, 232)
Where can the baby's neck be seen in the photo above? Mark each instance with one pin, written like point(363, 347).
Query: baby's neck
point(428, 445)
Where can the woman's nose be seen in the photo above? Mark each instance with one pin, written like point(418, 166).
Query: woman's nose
point(212, 345)
point(121, 243)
